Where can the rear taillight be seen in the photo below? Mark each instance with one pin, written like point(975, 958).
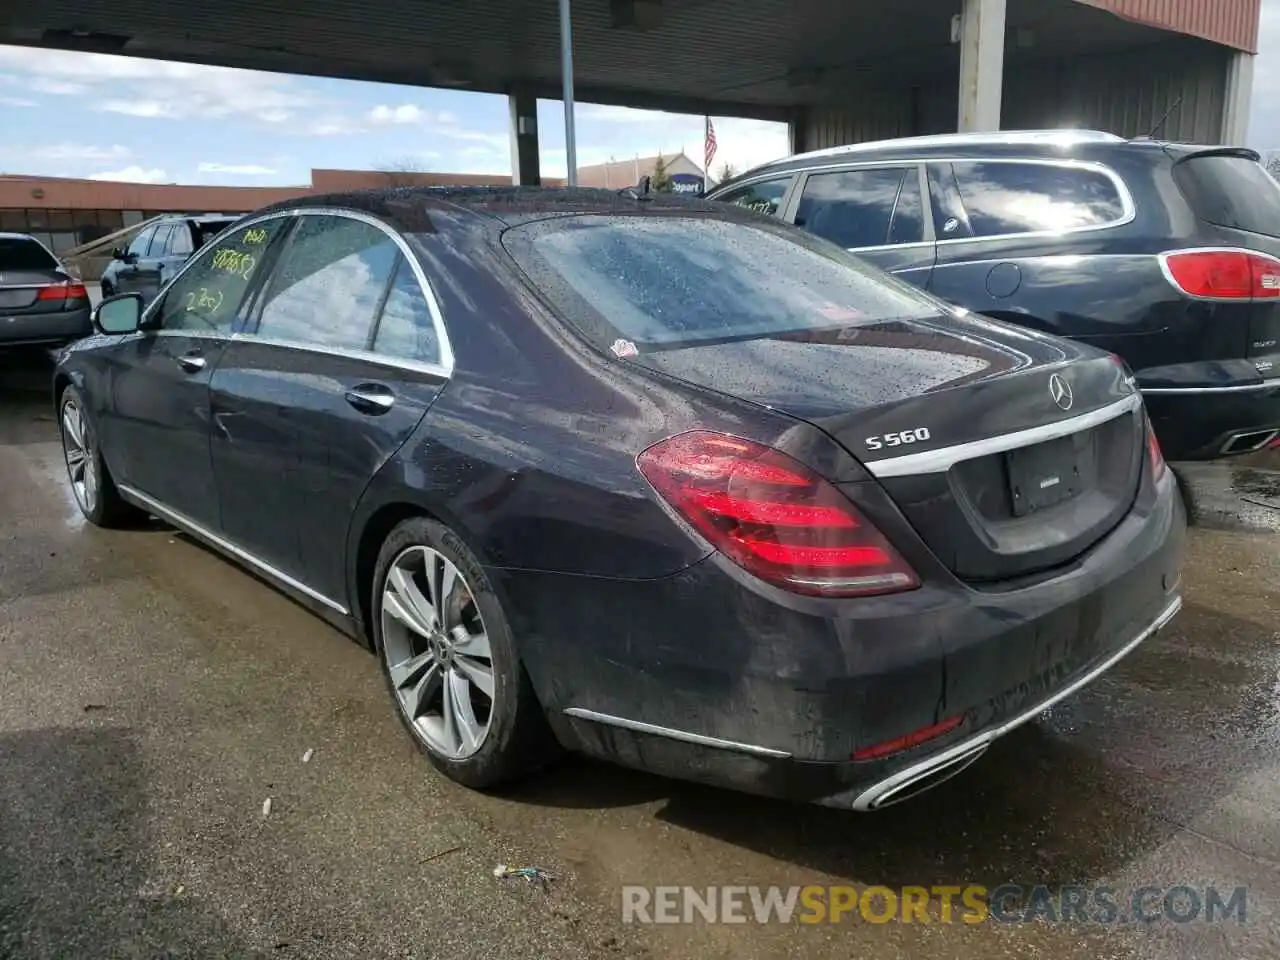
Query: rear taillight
point(63, 291)
point(1154, 454)
point(1223, 274)
point(774, 516)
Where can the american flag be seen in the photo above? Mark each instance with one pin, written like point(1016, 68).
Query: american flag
point(710, 146)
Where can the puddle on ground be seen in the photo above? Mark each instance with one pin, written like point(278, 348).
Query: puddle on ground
point(1235, 497)
point(1258, 485)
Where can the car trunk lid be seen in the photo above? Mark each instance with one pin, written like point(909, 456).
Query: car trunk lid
point(1007, 452)
point(20, 290)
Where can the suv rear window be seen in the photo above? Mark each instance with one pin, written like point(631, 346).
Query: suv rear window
point(670, 281)
point(1230, 191)
point(22, 253)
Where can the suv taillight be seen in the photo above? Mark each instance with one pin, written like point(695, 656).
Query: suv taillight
point(1211, 274)
point(774, 516)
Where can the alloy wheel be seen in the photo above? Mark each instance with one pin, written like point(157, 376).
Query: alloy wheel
point(82, 461)
point(437, 652)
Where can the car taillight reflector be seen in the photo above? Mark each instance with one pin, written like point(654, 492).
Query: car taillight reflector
point(63, 291)
point(1154, 454)
point(1223, 274)
point(773, 516)
point(913, 739)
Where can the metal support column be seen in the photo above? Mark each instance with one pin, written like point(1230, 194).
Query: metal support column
point(1239, 93)
point(566, 70)
point(981, 38)
point(524, 139)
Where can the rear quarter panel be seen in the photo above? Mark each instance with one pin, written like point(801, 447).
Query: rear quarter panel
point(1104, 287)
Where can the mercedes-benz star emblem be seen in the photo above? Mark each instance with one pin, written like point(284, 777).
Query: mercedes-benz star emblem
point(1060, 391)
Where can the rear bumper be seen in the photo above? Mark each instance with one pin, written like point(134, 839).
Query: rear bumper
point(1199, 422)
point(711, 677)
point(62, 326)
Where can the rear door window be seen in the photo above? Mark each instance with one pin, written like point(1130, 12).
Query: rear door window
point(852, 208)
point(1013, 198)
point(654, 283)
point(1230, 191)
point(331, 282)
point(764, 196)
point(23, 253)
point(406, 329)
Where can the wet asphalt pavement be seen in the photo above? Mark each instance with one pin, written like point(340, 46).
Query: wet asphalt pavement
point(152, 696)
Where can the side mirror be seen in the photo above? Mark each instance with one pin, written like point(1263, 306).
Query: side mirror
point(119, 314)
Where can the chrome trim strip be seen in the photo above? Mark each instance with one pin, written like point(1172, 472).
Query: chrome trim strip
point(185, 523)
point(1273, 384)
point(1051, 137)
point(672, 734)
point(433, 304)
point(867, 799)
point(943, 459)
point(368, 356)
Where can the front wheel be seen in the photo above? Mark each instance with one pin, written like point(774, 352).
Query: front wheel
point(91, 482)
point(450, 661)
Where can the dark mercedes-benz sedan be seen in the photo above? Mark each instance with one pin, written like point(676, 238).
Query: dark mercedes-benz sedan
point(660, 480)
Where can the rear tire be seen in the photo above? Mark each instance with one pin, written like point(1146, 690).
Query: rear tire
point(107, 289)
point(91, 484)
point(450, 662)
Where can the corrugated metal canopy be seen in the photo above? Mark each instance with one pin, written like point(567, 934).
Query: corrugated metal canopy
point(744, 57)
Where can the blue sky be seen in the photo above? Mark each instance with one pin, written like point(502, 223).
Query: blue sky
point(89, 115)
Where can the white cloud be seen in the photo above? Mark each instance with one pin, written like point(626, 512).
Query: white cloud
point(16, 102)
point(330, 125)
point(405, 113)
point(236, 169)
point(131, 174)
point(157, 88)
point(57, 88)
point(81, 151)
point(137, 108)
point(611, 114)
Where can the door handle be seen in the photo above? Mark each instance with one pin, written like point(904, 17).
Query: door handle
point(370, 398)
point(191, 362)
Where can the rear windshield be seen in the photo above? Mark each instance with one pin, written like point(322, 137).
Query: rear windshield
point(1231, 192)
point(21, 253)
point(658, 282)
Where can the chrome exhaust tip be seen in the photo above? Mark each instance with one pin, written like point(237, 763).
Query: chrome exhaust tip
point(916, 781)
point(1249, 441)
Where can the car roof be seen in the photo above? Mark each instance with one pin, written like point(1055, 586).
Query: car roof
point(410, 208)
point(18, 236)
point(1014, 144)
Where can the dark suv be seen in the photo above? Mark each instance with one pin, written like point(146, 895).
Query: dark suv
point(1164, 254)
point(156, 253)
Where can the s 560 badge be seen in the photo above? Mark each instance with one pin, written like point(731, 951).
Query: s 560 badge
point(898, 439)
